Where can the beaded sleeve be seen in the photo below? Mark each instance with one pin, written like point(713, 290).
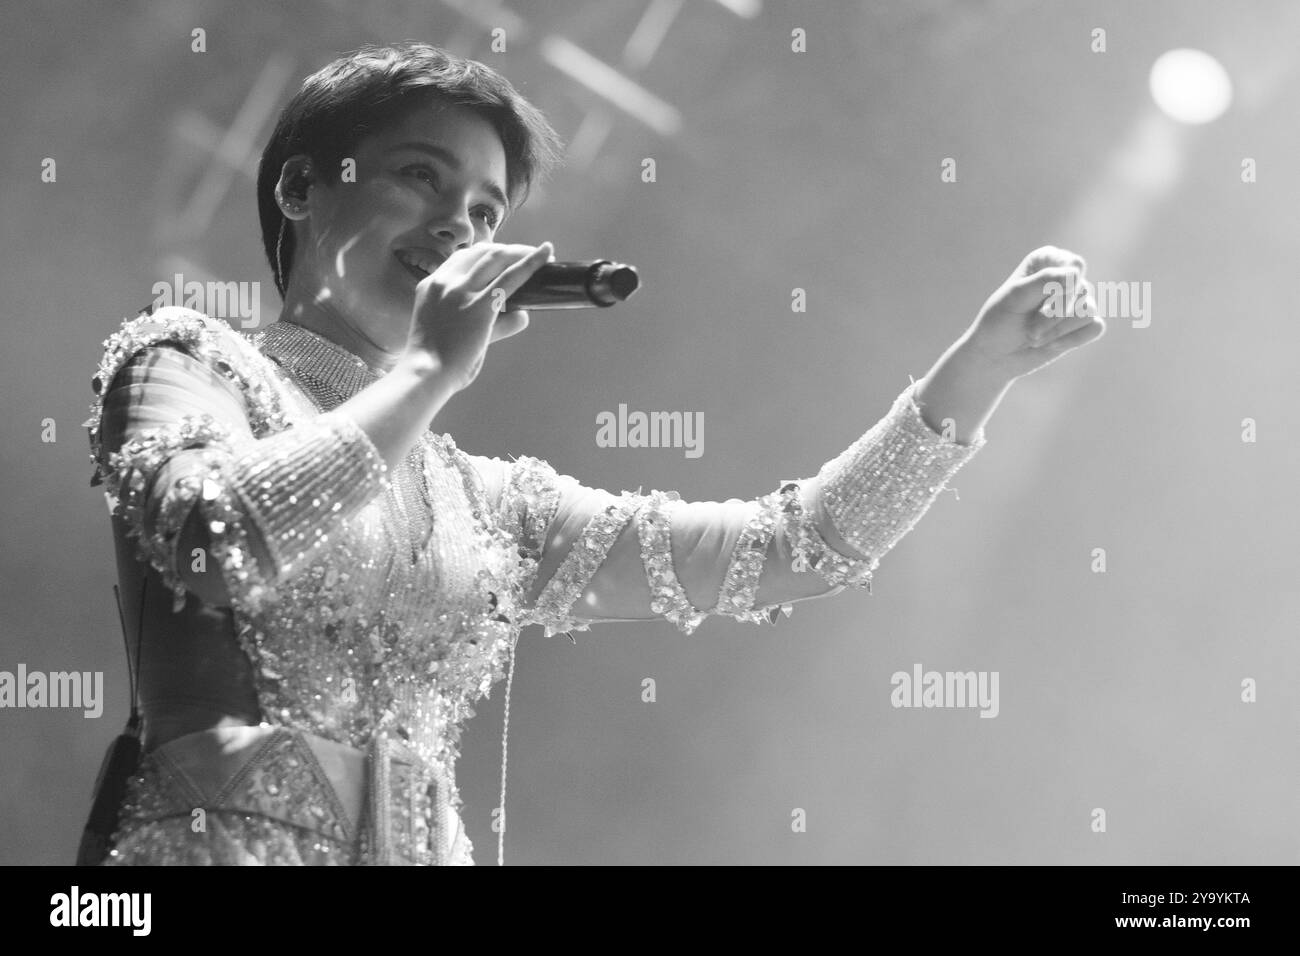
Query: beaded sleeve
point(878, 488)
point(594, 556)
point(184, 420)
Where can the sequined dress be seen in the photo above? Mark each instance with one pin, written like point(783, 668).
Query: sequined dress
point(369, 604)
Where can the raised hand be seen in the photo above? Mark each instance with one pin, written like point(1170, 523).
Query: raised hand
point(1044, 309)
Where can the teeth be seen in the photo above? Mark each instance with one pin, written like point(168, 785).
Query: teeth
point(420, 261)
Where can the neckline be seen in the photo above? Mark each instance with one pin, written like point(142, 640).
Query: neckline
point(321, 362)
point(330, 375)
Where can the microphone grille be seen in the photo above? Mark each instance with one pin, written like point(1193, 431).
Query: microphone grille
point(623, 280)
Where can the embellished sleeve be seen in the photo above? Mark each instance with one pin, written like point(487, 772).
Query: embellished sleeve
point(186, 425)
point(589, 555)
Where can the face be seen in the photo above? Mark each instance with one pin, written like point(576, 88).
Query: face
point(428, 184)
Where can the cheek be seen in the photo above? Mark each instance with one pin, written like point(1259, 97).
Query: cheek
point(355, 247)
point(358, 242)
point(372, 206)
point(388, 198)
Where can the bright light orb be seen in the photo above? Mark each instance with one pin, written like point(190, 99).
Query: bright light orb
point(1190, 86)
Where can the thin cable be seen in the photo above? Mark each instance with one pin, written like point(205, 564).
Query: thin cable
point(139, 650)
point(505, 731)
point(279, 261)
point(126, 644)
point(133, 673)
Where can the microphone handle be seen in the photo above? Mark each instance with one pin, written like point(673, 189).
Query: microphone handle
point(575, 285)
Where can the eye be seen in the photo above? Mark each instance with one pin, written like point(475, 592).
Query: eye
point(432, 177)
point(423, 171)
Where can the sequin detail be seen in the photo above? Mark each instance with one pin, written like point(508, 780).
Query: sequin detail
point(293, 501)
point(230, 838)
point(667, 596)
point(208, 340)
point(279, 806)
point(131, 472)
point(528, 505)
point(877, 489)
point(810, 550)
point(278, 810)
point(748, 556)
point(587, 554)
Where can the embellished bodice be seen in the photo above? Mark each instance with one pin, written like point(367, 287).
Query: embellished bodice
point(401, 620)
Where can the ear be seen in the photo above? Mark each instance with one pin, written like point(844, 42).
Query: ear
point(293, 189)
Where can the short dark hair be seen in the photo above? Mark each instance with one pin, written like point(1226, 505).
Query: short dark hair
point(363, 91)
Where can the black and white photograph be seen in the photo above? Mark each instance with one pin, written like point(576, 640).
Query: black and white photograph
point(652, 433)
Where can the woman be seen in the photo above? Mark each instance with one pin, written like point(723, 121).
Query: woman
point(326, 586)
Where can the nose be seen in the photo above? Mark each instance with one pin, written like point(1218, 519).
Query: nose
point(453, 225)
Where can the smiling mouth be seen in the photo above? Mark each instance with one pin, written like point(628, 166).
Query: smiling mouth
point(418, 264)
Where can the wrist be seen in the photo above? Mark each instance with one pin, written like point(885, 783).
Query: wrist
point(965, 360)
point(961, 391)
point(426, 372)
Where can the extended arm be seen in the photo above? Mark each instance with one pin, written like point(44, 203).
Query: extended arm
point(597, 556)
point(606, 557)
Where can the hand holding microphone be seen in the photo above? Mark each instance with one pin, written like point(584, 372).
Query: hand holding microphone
point(455, 317)
point(479, 295)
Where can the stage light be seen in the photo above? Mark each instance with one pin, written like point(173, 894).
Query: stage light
point(1190, 86)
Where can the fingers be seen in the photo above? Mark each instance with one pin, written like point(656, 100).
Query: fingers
point(1053, 285)
point(460, 262)
point(472, 264)
point(1052, 320)
point(509, 281)
point(509, 323)
point(507, 267)
point(1090, 331)
point(1046, 257)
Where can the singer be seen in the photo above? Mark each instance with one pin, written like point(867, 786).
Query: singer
point(318, 586)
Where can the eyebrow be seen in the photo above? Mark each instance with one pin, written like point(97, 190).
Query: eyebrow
point(451, 160)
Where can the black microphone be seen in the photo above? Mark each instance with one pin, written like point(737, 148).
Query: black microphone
point(575, 285)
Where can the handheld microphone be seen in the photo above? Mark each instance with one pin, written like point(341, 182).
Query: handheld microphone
point(595, 283)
